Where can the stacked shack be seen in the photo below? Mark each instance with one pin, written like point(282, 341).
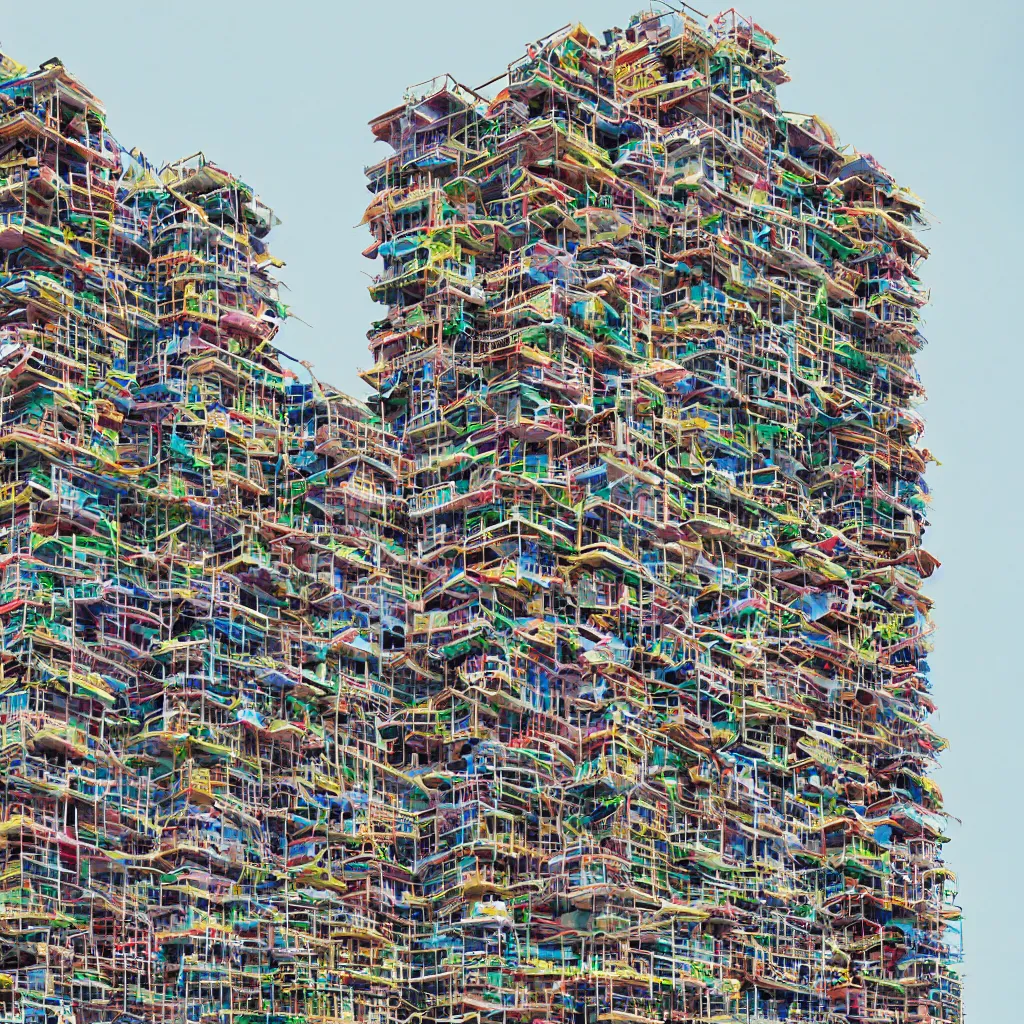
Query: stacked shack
point(648, 357)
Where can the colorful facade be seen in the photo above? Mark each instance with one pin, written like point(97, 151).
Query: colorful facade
point(578, 675)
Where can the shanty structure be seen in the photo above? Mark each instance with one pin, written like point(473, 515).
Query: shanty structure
point(577, 676)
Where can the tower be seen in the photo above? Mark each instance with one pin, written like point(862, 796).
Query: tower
point(648, 356)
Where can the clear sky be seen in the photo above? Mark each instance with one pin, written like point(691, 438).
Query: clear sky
point(280, 93)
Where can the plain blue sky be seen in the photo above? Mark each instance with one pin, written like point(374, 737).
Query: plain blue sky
point(281, 93)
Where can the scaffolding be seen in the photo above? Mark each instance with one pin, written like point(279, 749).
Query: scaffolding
point(578, 675)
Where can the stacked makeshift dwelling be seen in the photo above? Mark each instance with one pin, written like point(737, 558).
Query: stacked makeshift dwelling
point(648, 357)
point(579, 676)
point(180, 565)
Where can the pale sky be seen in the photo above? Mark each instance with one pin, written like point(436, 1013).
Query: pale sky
point(280, 94)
